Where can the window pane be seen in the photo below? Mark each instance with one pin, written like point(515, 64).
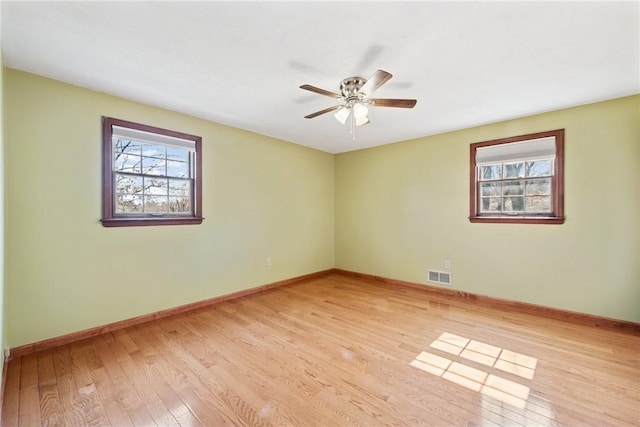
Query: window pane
point(151, 166)
point(128, 184)
point(178, 169)
point(179, 187)
point(540, 168)
point(126, 203)
point(491, 189)
point(513, 188)
point(514, 170)
point(155, 186)
point(177, 154)
point(539, 204)
point(157, 151)
point(491, 204)
point(513, 204)
point(179, 204)
point(126, 163)
point(539, 187)
point(126, 146)
point(155, 204)
point(490, 173)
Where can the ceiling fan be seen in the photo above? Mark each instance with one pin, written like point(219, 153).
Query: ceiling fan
point(354, 94)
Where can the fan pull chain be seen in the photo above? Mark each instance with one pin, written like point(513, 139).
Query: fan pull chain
point(353, 126)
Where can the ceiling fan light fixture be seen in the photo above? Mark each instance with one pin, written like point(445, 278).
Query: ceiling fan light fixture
point(362, 121)
point(360, 111)
point(342, 114)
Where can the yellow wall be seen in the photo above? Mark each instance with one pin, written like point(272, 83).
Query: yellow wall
point(395, 211)
point(403, 208)
point(65, 272)
point(3, 301)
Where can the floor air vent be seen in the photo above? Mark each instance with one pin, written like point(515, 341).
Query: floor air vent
point(441, 277)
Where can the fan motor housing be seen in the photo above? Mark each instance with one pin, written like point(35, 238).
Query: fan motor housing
point(350, 87)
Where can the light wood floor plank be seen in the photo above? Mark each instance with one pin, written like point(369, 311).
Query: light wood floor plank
point(29, 391)
point(11, 404)
point(116, 412)
point(335, 350)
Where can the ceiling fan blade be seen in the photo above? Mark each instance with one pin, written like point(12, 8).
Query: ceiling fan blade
point(378, 78)
point(326, 110)
point(397, 103)
point(320, 91)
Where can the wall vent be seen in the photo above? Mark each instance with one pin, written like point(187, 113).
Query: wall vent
point(440, 277)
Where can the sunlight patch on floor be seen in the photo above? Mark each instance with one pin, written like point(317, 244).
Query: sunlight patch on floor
point(494, 386)
point(486, 354)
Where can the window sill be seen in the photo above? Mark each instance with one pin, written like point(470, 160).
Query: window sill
point(518, 219)
point(136, 222)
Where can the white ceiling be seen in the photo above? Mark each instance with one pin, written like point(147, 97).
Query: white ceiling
point(241, 64)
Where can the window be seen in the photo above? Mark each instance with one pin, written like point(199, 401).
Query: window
point(518, 179)
point(150, 176)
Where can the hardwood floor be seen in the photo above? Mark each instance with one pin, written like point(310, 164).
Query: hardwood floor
point(335, 351)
